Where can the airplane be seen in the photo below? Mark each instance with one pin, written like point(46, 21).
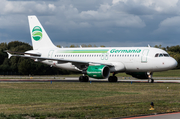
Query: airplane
point(96, 62)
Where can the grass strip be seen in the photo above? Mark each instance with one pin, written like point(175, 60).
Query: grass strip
point(85, 100)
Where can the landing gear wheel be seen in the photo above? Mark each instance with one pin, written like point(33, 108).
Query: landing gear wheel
point(83, 78)
point(150, 80)
point(86, 79)
point(112, 79)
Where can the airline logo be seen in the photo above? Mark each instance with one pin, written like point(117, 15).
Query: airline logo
point(125, 51)
point(37, 33)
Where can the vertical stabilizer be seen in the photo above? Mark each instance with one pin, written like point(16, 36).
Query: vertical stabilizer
point(39, 37)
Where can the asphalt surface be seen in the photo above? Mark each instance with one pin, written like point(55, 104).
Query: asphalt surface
point(76, 79)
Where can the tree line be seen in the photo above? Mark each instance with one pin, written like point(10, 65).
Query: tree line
point(23, 66)
point(26, 66)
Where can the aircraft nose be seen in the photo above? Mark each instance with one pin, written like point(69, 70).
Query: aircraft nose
point(173, 63)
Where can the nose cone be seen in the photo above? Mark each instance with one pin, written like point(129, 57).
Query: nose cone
point(172, 63)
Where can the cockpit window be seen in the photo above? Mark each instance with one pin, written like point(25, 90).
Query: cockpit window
point(166, 55)
point(157, 55)
point(161, 55)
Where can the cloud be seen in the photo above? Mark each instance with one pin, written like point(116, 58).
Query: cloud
point(168, 24)
point(25, 7)
point(97, 21)
point(149, 6)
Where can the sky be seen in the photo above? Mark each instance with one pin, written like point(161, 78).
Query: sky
point(112, 23)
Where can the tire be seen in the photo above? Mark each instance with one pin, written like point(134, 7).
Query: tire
point(115, 79)
point(86, 79)
point(110, 79)
point(81, 78)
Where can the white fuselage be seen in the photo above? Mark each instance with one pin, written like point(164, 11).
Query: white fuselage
point(124, 59)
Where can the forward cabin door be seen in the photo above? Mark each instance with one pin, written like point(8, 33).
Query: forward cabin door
point(144, 56)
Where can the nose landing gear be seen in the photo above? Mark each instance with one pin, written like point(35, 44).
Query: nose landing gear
point(150, 79)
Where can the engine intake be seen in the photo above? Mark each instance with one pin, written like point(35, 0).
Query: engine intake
point(98, 72)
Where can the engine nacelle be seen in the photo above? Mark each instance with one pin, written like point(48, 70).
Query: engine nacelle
point(139, 75)
point(98, 72)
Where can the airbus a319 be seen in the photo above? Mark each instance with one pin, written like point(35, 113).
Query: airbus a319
point(98, 63)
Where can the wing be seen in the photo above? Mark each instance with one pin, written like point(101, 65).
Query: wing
point(37, 57)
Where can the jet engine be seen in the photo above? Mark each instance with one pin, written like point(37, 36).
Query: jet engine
point(98, 71)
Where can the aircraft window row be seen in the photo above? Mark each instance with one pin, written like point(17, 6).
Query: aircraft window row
point(161, 55)
point(124, 55)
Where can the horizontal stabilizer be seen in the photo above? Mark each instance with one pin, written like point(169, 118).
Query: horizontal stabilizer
point(23, 53)
point(9, 55)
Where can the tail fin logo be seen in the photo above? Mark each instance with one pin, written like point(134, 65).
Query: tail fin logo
point(37, 33)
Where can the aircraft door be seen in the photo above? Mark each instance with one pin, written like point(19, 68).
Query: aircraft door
point(104, 56)
point(50, 55)
point(144, 56)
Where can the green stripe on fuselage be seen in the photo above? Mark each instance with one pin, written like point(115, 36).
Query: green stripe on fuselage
point(83, 51)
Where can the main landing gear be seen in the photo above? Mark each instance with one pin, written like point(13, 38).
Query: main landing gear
point(150, 79)
point(84, 79)
point(112, 78)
